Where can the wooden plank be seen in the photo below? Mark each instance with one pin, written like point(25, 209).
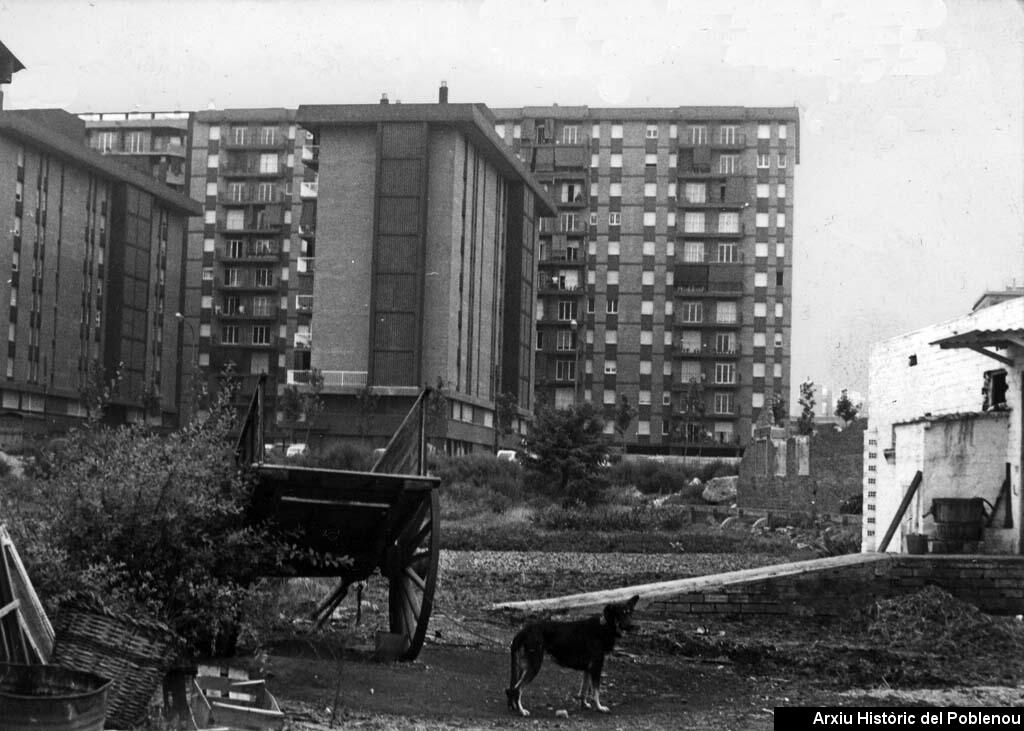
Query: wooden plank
point(694, 584)
point(8, 608)
point(334, 503)
point(32, 611)
point(914, 484)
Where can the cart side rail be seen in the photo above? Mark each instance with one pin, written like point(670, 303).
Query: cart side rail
point(406, 452)
point(249, 447)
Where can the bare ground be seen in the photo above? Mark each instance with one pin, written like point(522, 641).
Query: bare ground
point(697, 674)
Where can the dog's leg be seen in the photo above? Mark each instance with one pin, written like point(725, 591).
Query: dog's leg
point(525, 666)
point(585, 691)
point(595, 683)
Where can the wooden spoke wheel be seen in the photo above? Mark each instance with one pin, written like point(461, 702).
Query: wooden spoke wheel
point(411, 570)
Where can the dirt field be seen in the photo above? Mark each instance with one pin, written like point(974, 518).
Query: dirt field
point(723, 675)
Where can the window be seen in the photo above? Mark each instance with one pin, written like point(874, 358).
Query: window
point(571, 222)
point(207, 274)
point(615, 160)
point(614, 247)
point(723, 403)
point(780, 190)
point(572, 193)
point(782, 159)
point(615, 190)
point(268, 135)
point(777, 370)
point(595, 160)
point(761, 220)
point(236, 192)
point(499, 129)
point(261, 335)
point(725, 373)
point(780, 250)
point(234, 248)
point(268, 163)
point(611, 367)
point(616, 131)
point(727, 134)
point(778, 279)
point(651, 132)
point(239, 135)
point(726, 313)
point(590, 305)
point(106, 141)
point(613, 276)
point(760, 309)
point(650, 218)
point(727, 253)
point(691, 312)
point(261, 307)
point(644, 398)
point(693, 222)
point(778, 340)
point(570, 134)
point(648, 248)
point(689, 370)
point(611, 337)
point(264, 278)
point(758, 370)
point(229, 334)
point(782, 131)
point(697, 134)
point(760, 249)
point(612, 307)
point(646, 337)
point(232, 277)
point(778, 310)
point(764, 131)
point(614, 218)
point(643, 428)
point(728, 163)
point(212, 161)
point(762, 190)
point(760, 279)
point(517, 131)
point(595, 131)
point(725, 343)
point(609, 398)
point(651, 158)
point(780, 220)
point(763, 160)
point(647, 307)
point(729, 222)
point(647, 278)
point(693, 252)
point(759, 340)
point(265, 192)
point(135, 142)
point(566, 310)
point(650, 190)
point(235, 220)
point(540, 339)
point(696, 192)
point(593, 218)
point(565, 370)
point(645, 368)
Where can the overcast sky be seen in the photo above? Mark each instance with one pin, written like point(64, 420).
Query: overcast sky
point(908, 196)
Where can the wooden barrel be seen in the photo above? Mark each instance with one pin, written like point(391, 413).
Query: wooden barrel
point(958, 519)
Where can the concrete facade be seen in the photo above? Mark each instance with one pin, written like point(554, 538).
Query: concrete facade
point(670, 261)
point(94, 255)
point(425, 227)
point(928, 412)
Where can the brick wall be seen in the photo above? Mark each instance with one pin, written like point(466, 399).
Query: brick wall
point(993, 583)
point(836, 469)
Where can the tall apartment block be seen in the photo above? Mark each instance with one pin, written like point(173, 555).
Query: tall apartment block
point(94, 255)
point(425, 229)
point(154, 143)
point(666, 276)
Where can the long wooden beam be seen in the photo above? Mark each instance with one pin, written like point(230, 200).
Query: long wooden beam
point(914, 484)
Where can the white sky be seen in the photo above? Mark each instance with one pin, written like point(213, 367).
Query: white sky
point(908, 198)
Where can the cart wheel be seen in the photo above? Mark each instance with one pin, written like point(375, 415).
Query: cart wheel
point(412, 573)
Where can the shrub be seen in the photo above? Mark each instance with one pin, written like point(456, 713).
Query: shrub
point(659, 478)
point(156, 525)
point(345, 456)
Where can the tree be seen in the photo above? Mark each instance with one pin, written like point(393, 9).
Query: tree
point(805, 424)
point(438, 409)
point(690, 417)
point(506, 405)
point(290, 406)
point(570, 443)
point(845, 408)
point(368, 402)
point(624, 415)
point(312, 402)
point(99, 388)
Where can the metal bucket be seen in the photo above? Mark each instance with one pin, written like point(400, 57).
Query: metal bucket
point(52, 698)
point(958, 519)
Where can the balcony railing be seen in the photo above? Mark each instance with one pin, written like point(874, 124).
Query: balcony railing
point(332, 379)
point(304, 264)
point(307, 232)
point(308, 190)
point(304, 302)
point(311, 155)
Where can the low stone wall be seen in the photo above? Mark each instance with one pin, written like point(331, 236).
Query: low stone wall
point(994, 583)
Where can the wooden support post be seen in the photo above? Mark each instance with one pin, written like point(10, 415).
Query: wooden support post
point(914, 484)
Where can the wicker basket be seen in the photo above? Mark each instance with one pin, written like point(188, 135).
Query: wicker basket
point(134, 654)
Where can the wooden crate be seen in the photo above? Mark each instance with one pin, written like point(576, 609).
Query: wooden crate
point(227, 698)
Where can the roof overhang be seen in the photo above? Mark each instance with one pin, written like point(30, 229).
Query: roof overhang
point(981, 340)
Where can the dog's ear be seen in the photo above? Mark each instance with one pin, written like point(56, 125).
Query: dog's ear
point(632, 602)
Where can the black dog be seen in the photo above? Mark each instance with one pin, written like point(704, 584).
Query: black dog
point(579, 645)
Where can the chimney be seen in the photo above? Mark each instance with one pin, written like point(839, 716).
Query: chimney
point(384, 98)
point(442, 93)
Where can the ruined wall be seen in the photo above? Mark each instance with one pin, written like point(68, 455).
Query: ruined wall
point(835, 469)
point(993, 583)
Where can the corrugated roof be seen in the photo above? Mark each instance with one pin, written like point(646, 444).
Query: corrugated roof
point(475, 120)
point(26, 125)
point(984, 338)
point(955, 416)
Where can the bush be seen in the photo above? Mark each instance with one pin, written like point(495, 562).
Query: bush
point(155, 525)
point(659, 478)
point(345, 456)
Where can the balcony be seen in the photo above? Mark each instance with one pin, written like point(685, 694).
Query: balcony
point(302, 341)
point(304, 264)
point(561, 257)
point(741, 230)
point(311, 156)
point(303, 303)
point(711, 289)
point(689, 352)
point(332, 379)
point(308, 190)
point(307, 232)
point(718, 138)
point(242, 312)
point(253, 140)
point(556, 288)
point(249, 197)
point(253, 254)
point(244, 283)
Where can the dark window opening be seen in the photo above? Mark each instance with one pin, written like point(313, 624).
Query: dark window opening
point(912, 360)
point(994, 391)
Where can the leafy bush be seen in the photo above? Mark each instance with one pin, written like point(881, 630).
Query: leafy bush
point(478, 483)
point(345, 456)
point(658, 478)
point(155, 525)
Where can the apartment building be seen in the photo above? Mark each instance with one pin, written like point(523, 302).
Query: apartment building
point(425, 228)
point(154, 143)
point(666, 276)
point(94, 255)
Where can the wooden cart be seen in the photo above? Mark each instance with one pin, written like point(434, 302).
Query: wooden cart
point(386, 519)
